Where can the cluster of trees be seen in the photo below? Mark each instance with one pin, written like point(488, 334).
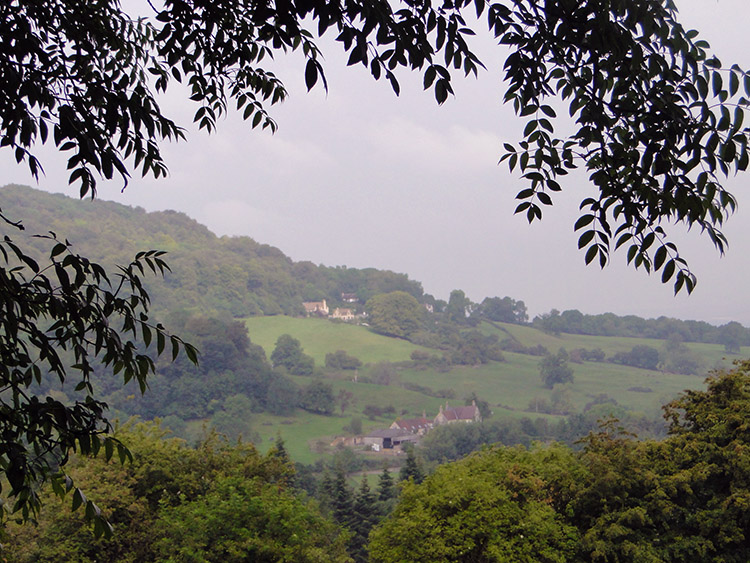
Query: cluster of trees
point(396, 314)
point(731, 335)
point(233, 380)
point(401, 315)
point(288, 354)
point(579, 355)
point(640, 356)
point(618, 499)
point(358, 511)
point(674, 357)
point(341, 360)
point(464, 312)
point(329, 283)
point(213, 503)
point(678, 358)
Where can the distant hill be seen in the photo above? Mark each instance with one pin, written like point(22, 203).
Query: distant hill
point(260, 285)
point(234, 275)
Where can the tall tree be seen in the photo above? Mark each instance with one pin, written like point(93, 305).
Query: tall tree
point(395, 314)
point(386, 488)
point(365, 516)
point(411, 470)
point(554, 369)
point(342, 500)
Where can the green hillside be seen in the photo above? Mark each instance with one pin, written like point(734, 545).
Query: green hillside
point(217, 279)
point(508, 386)
point(209, 274)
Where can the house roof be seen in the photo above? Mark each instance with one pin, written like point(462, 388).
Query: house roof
point(413, 424)
point(388, 433)
point(312, 306)
point(461, 413)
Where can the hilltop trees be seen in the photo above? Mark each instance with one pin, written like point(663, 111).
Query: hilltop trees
point(505, 310)
point(458, 308)
point(733, 336)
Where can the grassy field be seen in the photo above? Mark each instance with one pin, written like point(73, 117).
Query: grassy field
point(516, 382)
point(713, 355)
point(508, 386)
point(320, 337)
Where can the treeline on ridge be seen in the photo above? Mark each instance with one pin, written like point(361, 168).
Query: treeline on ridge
point(731, 335)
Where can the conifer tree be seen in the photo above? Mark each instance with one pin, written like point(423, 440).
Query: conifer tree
point(365, 517)
point(279, 449)
point(325, 493)
point(411, 469)
point(278, 454)
point(386, 488)
point(342, 502)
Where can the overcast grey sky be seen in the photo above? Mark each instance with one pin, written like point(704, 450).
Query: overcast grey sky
point(361, 178)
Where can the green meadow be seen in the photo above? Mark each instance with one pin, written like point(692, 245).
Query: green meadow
point(320, 337)
point(508, 386)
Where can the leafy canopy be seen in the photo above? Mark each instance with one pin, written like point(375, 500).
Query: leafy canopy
point(658, 121)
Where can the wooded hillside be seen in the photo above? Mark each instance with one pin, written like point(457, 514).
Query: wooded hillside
point(210, 274)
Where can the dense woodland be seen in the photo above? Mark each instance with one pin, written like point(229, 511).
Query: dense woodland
point(232, 275)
